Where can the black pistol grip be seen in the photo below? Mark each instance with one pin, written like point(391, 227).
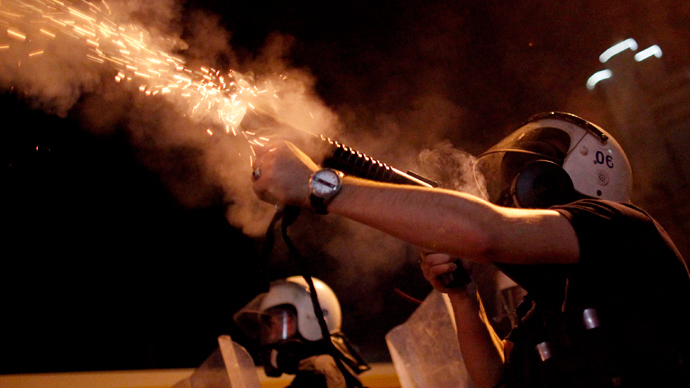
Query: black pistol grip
point(457, 278)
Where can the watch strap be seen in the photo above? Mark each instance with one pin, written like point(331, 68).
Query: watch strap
point(319, 204)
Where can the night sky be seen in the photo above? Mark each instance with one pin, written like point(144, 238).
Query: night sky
point(118, 250)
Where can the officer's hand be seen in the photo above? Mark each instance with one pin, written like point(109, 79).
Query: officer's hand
point(281, 174)
point(436, 264)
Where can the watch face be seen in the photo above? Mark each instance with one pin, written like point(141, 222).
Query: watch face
point(325, 182)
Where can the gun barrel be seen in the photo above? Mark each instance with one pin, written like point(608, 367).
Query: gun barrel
point(352, 162)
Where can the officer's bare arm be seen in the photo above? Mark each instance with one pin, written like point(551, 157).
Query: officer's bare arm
point(482, 350)
point(459, 224)
point(436, 220)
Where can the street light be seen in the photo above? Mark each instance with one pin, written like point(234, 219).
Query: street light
point(598, 76)
point(648, 52)
point(618, 48)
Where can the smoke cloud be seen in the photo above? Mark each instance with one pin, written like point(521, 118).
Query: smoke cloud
point(68, 65)
point(201, 156)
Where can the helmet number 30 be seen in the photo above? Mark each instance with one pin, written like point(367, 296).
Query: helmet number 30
point(601, 159)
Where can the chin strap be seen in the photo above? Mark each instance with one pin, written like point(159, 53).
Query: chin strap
point(289, 214)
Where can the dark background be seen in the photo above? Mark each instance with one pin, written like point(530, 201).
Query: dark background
point(104, 267)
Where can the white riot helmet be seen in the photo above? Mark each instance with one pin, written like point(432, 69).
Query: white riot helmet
point(284, 320)
point(555, 158)
point(294, 292)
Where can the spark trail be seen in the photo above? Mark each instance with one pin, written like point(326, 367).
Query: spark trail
point(89, 37)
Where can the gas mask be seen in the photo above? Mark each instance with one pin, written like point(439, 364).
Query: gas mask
point(284, 322)
point(282, 347)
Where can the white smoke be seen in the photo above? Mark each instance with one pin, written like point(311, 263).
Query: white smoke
point(184, 140)
point(121, 63)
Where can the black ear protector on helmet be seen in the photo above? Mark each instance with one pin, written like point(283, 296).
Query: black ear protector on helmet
point(542, 184)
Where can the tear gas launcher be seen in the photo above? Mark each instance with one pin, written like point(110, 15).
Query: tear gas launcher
point(352, 162)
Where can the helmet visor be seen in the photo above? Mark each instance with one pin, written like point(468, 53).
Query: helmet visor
point(500, 165)
point(278, 323)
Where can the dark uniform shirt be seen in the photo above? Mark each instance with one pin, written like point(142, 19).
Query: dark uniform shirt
point(635, 281)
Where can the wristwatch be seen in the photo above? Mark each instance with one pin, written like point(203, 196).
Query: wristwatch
point(324, 185)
